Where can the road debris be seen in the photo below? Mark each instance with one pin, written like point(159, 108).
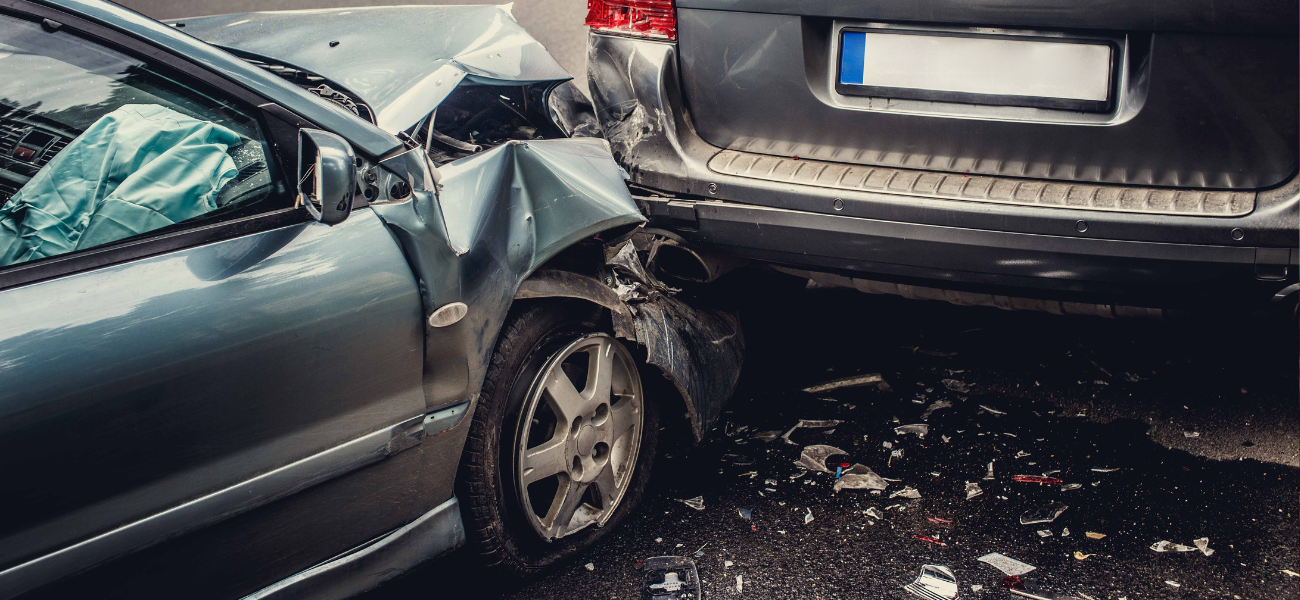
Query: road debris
point(919, 430)
point(1167, 546)
point(1289, 572)
point(808, 518)
point(1104, 469)
point(1022, 454)
point(934, 582)
point(697, 502)
point(1092, 535)
point(907, 492)
point(860, 477)
point(813, 457)
point(854, 381)
point(590, 566)
point(926, 538)
point(939, 520)
point(745, 513)
point(1081, 556)
point(1065, 532)
point(1006, 564)
point(1191, 434)
point(874, 513)
point(766, 436)
point(670, 578)
point(973, 490)
point(1046, 514)
point(1045, 533)
point(810, 424)
point(936, 405)
point(1071, 487)
point(1173, 583)
point(1039, 479)
point(1203, 544)
point(740, 584)
point(991, 410)
point(956, 385)
point(989, 476)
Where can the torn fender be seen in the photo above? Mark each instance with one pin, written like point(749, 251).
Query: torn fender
point(699, 350)
point(496, 217)
point(403, 61)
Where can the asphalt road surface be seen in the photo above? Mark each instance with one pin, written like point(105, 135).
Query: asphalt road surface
point(1198, 420)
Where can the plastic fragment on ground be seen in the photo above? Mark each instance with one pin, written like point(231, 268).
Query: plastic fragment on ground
point(854, 381)
point(590, 566)
point(991, 410)
point(934, 582)
point(956, 385)
point(745, 513)
point(1289, 572)
point(977, 587)
point(726, 564)
point(1006, 564)
point(1065, 532)
point(936, 405)
point(808, 517)
point(907, 492)
point(1104, 469)
point(939, 520)
point(919, 429)
point(1022, 454)
point(1167, 546)
point(860, 477)
point(1092, 535)
point(1045, 533)
point(875, 513)
point(769, 482)
point(813, 457)
point(972, 490)
point(945, 439)
point(1172, 583)
point(740, 584)
point(1071, 487)
point(1191, 434)
point(809, 424)
point(1082, 556)
point(1046, 514)
point(926, 538)
point(697, 502)
point(670, 577)
point(1039, 479)
point(1203, 544)
point(989, 476)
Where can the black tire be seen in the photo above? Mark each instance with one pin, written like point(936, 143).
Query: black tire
point(496, 527)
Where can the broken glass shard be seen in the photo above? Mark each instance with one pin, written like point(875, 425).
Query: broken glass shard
point(1046, 514)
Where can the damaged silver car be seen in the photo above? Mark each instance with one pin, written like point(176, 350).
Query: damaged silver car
point(293, 302)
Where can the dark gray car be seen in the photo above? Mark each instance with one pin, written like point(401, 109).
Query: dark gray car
point(1079, 157)
point(285, 312)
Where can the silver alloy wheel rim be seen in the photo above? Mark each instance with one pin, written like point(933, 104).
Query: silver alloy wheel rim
point(577, 448)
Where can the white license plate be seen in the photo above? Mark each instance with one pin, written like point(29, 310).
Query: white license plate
point(1074, 75)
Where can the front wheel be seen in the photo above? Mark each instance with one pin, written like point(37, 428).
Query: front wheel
point(562, 440)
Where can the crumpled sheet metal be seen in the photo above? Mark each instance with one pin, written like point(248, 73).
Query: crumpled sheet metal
point(139, 168)
point(498, 216)
point(401, 60)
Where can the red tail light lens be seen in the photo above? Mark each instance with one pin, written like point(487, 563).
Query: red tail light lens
point(642, 18)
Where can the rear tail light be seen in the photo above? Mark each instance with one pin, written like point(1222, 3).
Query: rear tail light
point(655, 19)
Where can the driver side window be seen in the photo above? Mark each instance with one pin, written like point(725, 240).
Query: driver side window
point(97, 147)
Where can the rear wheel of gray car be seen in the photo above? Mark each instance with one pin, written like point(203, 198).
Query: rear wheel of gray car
point(562, 441)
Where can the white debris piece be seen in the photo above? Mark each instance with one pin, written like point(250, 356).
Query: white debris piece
point(1191, 434)
point(972, 490)
point(874, 513)
point(808, 518)
point(1203, 544)
point(740, 584)
point(810, 424)
point(1104, 470)
point(1022, 454)
point(860, 477)
point(1168, 546)
point(697, 502)
point(854, 381)
point(1006, 564)
point(907, 492)
point(956, 385)
point(989, 476)
point(937, 405)
point(935, 582)
point(919, 429)
point(991, 410)
point(1071, 486)
point(1173, 583)
point(1044, 533)
point(1065, 532)
point(813, 457)
point(590, 566)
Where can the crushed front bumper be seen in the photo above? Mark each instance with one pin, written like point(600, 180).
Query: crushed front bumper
point(1158, 253)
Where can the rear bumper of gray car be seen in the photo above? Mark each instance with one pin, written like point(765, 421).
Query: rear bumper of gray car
point(1086, 243)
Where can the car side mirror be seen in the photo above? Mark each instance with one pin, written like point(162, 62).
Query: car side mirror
point(327, 175)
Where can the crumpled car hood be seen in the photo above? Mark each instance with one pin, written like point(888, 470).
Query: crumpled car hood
point(401, 60)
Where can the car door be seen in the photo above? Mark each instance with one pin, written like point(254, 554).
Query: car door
point(178, 342)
